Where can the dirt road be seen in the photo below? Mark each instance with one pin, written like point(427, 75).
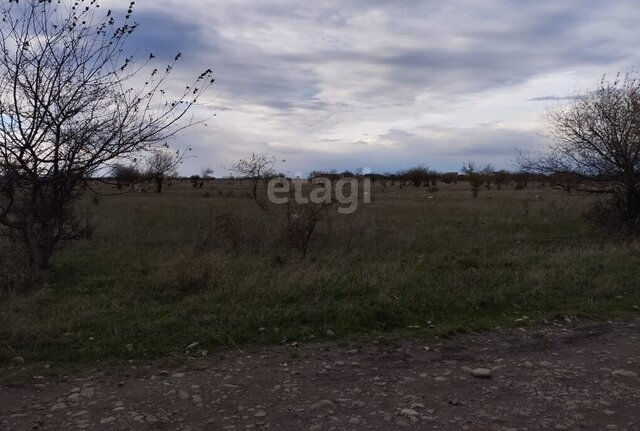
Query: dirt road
point(565, 376)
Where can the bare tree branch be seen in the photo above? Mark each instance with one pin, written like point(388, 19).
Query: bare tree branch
point(597, 145)
point(71, 104)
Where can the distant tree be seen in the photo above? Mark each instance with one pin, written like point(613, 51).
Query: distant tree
point(126, 175)
point(522, 179)
point(568, 181)
point(402, 177)
point(71, 104)
point(419, 176)
point(316, 174)
point(450, 177)
point(476, 176)
point(383, 179)
point(206, 174)
point(257, 169)
point(488, 175)
point(196, 181)
point(597, 147)
point(161, 165)
point(333, 175)
point(501, 178)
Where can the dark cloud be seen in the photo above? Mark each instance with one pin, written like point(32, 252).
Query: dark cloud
point(166, 35)
point(386, 83)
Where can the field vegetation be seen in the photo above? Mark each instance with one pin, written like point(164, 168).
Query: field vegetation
point(207, 265)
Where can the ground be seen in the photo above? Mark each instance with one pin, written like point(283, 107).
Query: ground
point(562, 375)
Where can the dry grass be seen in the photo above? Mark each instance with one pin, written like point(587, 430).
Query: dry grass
point(208, 265)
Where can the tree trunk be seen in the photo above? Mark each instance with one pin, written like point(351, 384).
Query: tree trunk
point(632, 204)
point(40, 249)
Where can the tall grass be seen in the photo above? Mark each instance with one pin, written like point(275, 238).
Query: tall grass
point(208, 266)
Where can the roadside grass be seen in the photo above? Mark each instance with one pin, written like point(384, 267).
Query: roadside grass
point(159, 275)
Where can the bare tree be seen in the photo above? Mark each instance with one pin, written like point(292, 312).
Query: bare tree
point(206, 173)
point(597, 146)
point(301, 223)
point(162, 164)
point(126, 175)
point(488, 173)
point(421, 176)
point(476, 176)
point(501, 178)
point(450, 177)
point(71, 103)
point(402, 177)
point(257, 169)
point(196, 181)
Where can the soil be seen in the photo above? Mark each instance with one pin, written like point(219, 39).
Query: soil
point(563, 376)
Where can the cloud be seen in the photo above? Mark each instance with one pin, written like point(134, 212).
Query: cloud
point(384, 83)
point(166, 35)
point(552, 98)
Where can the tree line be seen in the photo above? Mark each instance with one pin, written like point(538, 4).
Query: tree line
point(259, 168)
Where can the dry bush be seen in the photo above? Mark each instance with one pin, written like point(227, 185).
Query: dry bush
point(301, 223)
point(225, 231)
point(187, 275)
point(612, 215)
point(14, 277)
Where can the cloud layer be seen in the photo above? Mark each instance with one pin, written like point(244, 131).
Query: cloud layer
point(385, 84)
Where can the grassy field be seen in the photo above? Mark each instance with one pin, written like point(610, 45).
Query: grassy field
point(208, 266)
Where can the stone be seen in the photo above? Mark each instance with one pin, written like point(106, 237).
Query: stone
point(108, 420)
point(624, 373)
point(481, 373)
point(58, 406)
point(192, 346)
point(88, 392)
point(322, 404)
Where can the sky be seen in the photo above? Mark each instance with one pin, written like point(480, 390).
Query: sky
point(383, 85)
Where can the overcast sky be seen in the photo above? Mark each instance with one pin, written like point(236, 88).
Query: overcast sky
point(384, 84)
